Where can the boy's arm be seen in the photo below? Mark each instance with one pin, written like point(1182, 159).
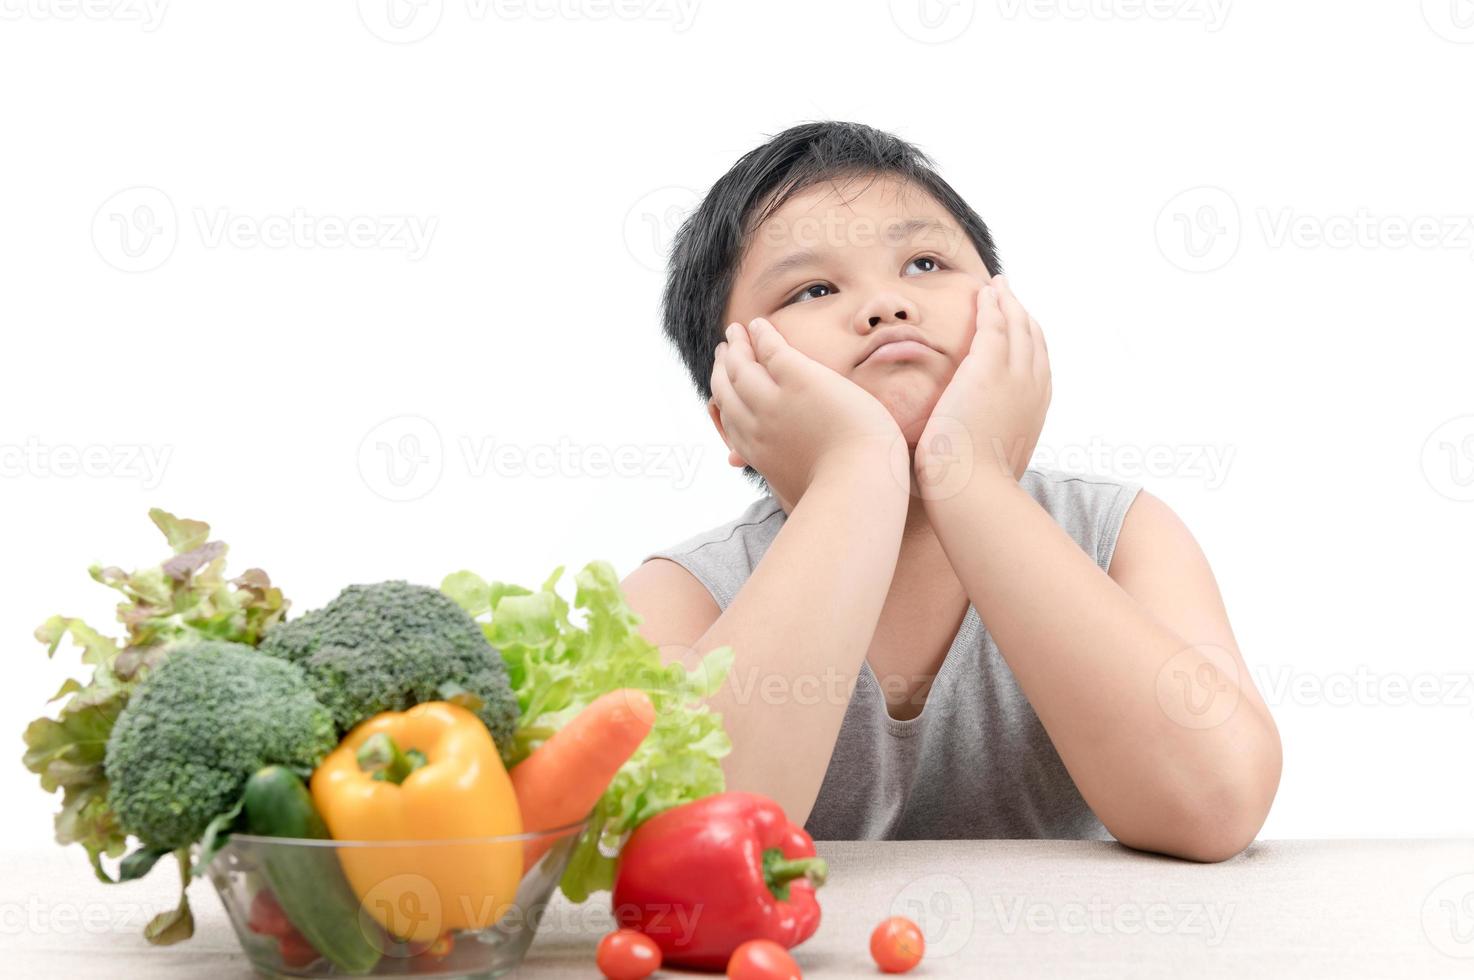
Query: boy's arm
point(799, 628)
point(1135, 675)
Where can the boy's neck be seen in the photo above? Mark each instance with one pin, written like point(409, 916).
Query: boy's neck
point(922, 566)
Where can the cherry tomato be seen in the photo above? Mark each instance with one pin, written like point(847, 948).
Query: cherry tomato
point(442, 947)
point(762, 959)
point(430, 957)
point(266, 916)
point(897, 944)
point(627, 954)
point(296, 951)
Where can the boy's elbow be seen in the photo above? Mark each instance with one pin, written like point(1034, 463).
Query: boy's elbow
point(1206, 838)
point(1214, 826)
point(1218, 845)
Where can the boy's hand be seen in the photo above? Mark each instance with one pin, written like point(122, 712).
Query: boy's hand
point(988, 419)
point(789, 416)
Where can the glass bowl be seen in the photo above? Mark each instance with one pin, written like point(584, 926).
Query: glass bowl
point(466, 908)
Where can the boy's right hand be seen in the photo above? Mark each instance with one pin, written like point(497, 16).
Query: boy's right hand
point(790, 417)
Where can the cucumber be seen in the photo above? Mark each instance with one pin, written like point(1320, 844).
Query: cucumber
point(308, 881)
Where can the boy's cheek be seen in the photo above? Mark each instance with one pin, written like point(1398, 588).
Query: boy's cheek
point(962, 325)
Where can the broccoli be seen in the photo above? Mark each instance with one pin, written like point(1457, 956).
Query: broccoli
point(195, 730)
point(390, 646)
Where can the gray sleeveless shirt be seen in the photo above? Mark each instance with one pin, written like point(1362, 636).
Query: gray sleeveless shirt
point(977, 762)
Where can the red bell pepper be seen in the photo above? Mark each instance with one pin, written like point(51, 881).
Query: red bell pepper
point(702, 878)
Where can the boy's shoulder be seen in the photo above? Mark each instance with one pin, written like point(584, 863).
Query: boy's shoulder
point(723, 557)
point(764, 512)
point(1050, 475)
point(1089, 506)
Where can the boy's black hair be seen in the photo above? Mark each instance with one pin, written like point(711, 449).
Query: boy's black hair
point(710, 243)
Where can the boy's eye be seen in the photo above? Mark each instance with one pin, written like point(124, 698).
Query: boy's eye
point(935, 263)
point(807, 293)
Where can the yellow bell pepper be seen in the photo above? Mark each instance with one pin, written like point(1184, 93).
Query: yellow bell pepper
point(431, 773)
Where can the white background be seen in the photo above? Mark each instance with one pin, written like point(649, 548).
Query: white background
point(1290, 370)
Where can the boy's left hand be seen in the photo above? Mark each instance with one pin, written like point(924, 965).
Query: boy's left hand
point(988, 419)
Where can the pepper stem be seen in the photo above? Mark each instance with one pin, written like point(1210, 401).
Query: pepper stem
point(779, 871)
point(381, 756)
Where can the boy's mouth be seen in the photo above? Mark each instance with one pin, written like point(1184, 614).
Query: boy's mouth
point(898, 350)
point(896, 343)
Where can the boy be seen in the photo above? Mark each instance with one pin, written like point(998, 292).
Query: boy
point(932, 639)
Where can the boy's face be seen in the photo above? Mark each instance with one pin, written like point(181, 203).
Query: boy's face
point(869, 257)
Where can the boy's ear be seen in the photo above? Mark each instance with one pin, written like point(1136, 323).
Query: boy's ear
point(716, 419)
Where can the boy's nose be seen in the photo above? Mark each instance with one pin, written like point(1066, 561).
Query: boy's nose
point(883, 308)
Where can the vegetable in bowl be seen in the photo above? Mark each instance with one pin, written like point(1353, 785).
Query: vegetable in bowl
point(208, 688)
point(558, 668)
point(184, 599)
point(393, 645)
point(196, 729)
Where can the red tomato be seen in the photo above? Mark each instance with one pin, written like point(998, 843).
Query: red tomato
point(266, 916)
point(296, 951)
point(762, 959)
point(897, 944)
point(627, 954)
point(430, 957)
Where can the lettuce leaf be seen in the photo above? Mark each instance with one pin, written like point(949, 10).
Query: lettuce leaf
point(185, 597)
point(557, 668)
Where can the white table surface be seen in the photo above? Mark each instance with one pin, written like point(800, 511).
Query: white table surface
point(1293, 908)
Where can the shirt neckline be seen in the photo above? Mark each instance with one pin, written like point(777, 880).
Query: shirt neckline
point(906, 727)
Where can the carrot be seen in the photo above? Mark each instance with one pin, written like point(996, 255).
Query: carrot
point(564, 777)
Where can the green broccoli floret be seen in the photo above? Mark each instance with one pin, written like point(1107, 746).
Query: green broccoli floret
point(196, 729)
point(390, 646)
